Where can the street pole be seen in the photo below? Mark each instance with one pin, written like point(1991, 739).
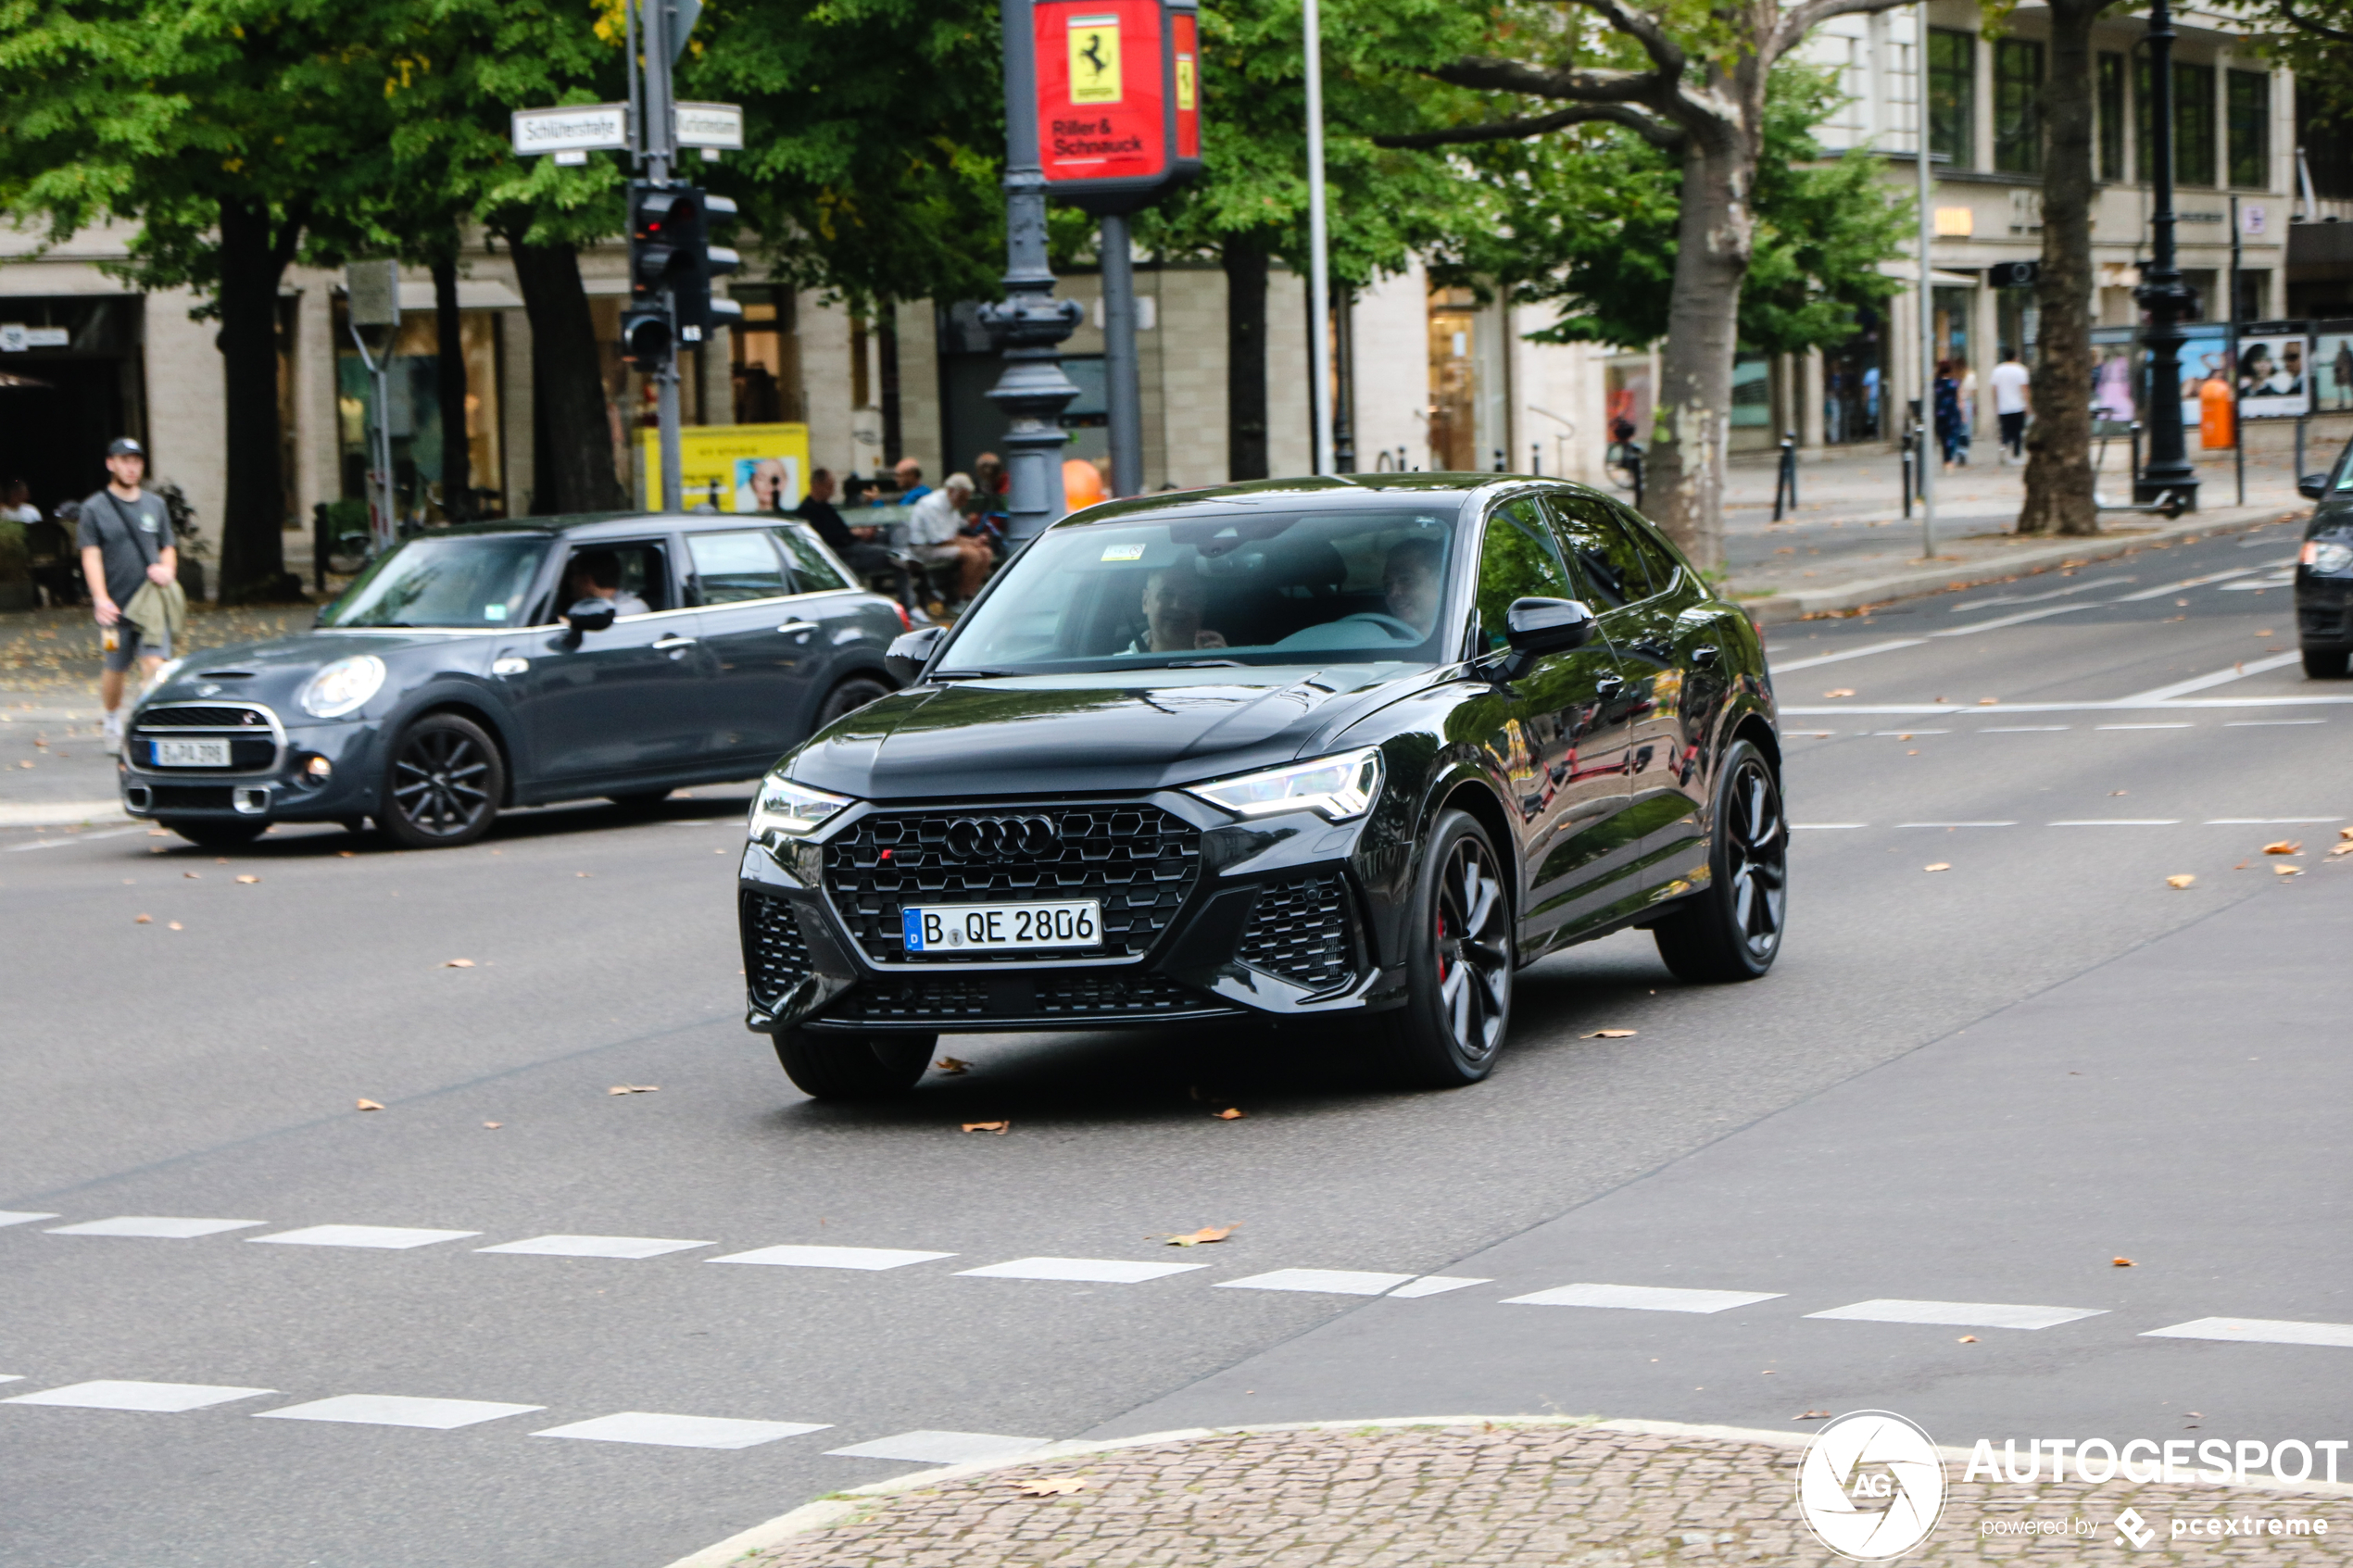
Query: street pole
point(660, 129)
point(1319, 289)
point(2161, 289)
point(1032, 390)
point(1123, 397)
point(2231, 369)
point(1927, 467)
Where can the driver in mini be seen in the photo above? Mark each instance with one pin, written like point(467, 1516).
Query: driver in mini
point(1175, 598)
point(596, 574)
point(1410, 582)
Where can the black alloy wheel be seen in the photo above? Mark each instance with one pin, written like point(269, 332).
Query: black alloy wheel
point(1732, 930)
point(1459, 965)
point(852, 1066)
point(444, 784)
point(2325, 664)
point(210, 834)
point(849, 697)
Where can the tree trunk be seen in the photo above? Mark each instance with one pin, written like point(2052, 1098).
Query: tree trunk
point(573, 470)
point(253, 558)
point(1244, 257)
point(450, 384)
point(2059, 451)
point(1715, 234)
point(894, 431)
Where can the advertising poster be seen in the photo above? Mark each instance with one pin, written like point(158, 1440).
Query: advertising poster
point(730, 467)
point(2274, 381)
point(2332, 372)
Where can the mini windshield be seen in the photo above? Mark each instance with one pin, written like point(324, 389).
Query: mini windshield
point(1224, 588)
point(477, 581)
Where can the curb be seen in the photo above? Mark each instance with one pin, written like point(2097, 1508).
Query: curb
point(842, 1507)
point(1781, 608)
point(64, 813)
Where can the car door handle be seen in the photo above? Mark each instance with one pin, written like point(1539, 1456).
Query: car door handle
point(1706, 655)
point(803, 627)
point(673, 642)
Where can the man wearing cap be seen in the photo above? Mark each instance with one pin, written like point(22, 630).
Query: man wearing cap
point(126, 541)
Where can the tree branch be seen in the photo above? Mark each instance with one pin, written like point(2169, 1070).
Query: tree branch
point(1795, 25)
point(1656, 131)
point(2309, 25)
point(1646, 30)
point(1488, 74)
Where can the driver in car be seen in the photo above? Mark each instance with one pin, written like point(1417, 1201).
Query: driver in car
point(1410, 582)
point(1175, 598)
point(596, 574)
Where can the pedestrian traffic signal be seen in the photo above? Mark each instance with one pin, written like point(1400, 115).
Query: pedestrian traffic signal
point(645, 337)
point(665, 223)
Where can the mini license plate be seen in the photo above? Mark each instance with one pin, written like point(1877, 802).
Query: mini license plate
point(998, 928)
point(191, 753)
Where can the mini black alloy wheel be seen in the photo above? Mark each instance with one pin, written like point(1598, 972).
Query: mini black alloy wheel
point(1459, 971)
point(1732, 930)
point(444, 784)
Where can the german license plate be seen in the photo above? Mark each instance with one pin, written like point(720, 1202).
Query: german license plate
point(998, 928)
point(191, 753)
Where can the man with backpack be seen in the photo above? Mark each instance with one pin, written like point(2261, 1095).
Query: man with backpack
point(125, 539)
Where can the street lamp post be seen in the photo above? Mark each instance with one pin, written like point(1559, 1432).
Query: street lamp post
point(2163, 292)
point(1030, 321)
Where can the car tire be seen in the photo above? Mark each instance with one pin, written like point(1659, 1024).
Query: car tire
point(640, 800)
point(853, 1067)
point(2325, 664)
point(1459, 959)
point(207, 833)
point(849, 697)
point(442, 782)
point(1732, 930)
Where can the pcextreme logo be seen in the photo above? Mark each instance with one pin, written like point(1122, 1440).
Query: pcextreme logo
point(1870, 1487)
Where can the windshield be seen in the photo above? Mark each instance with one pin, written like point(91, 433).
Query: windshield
point(470, 581)
point(1231, 588)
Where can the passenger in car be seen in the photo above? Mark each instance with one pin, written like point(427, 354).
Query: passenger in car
point(1175, 598)
point(596, 574)
point(1410, 581)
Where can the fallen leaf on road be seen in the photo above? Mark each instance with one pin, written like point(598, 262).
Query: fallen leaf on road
point(634, 1089)
point(1811, 1415)
point(458, 964)
point(144, 919)
point(1229, 1114)
point(1842, 691)
point(1610, 1034)
point(174, 926)
point(2284, 847)
point(365, 1105)
point(1966, 1339)
point(248, 879)
point(1939, 866)
point(2267, 631)
point(999, 1127)
point(494, 1123)
point(158, 833)
point(1051, 1486)
point(2181, 881)
point(346, 854)
point(950, 1065)
point(193, 876)
point(2121, 1262)
point(1912, 753)
point(2287, 871)
point(2345, 833)
point(1903, 737)
point(1988, 701)
point(2340, 850)
point(1204, 1235)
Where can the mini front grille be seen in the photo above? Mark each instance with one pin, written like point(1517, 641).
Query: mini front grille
point(1297, 932)
point(775, 959)
point(950, 1000)
point(163, 798)
point(1140, 861)
point(199, 717)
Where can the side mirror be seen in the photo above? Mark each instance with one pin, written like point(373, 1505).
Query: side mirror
point(1541, 626)
point(910, 652)
point(2314, 486)
point(589, 615)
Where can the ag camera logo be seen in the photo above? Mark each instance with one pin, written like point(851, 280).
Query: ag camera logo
point(1870, 1487)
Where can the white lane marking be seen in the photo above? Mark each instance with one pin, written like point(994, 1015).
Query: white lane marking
point(2260, 1331)
point(1907, 734)
point(1844, 654)
point(1957, 825)
point(2266, 821)
point(391, 1237)
point(1333, 1282)
point(2176, 724)
point(1960, 1314)
point(2023, 729)
point(943, 1447)
point(2239, 671)
point(1826, 827)
point(1947, 709)
point(2116, 823)
point(11, 1377)
point(595, 1245)
point(1642, 1297)
point(2279, 580)
point(2039, 598)
point(682, 1431)
point(78, 838)
point(1096, 1270)
point(161, 1397)
point(831, 1257)
point(2163, 589)
point(2265, 723)
point(2018, 620)
point(154, 1225)
point(17, 1217)
point(1434, 1284)
point(399, 1410)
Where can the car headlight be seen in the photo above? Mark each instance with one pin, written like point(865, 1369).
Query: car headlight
point(2327, 555)
point(342, 687)
point(783, 806)
point(1335, 788)
point(165, 671)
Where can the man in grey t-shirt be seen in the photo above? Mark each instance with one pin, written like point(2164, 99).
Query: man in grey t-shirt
point(125, 540)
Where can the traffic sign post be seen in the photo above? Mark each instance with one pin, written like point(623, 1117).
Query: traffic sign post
point(372, 291)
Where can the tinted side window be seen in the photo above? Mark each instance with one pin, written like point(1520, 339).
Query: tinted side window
point(1602, 555)
point(810, 570)
point(1517, 560)
point(1655, 553)
point(634, 574)
point(731, 567)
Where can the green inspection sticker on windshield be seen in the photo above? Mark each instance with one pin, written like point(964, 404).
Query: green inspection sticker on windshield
point(1122, 552)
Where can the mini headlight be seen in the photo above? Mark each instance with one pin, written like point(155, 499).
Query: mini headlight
point(783, 806)
point(165, 671)
point(343, 688)
point(1335, 788)
point(2327, 555)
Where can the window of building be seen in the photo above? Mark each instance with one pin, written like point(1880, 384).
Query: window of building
point(2017, 112)
point(766, 357)
point(1952, 96)
point(2249, 128)
point(2194, 124)
point(2109, 83)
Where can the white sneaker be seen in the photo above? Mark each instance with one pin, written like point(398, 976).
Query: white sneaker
point(112, 742)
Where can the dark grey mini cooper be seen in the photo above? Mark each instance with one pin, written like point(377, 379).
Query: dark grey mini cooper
point(513, 664)
point(1287, 753)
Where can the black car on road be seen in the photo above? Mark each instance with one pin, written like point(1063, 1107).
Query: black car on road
point(2325, 571)
point(1294, 752)
point(514, 664)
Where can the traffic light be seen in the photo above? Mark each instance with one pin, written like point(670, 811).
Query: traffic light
point(665, 225)
point(698, 311)
point(671, 263)
point(646, 336)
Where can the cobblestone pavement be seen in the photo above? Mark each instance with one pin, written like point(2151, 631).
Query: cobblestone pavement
point(1514, 1497)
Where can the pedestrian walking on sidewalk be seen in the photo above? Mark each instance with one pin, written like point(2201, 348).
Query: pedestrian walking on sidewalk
point(1967, 436)
point(125, 538)
point(2012, 402)
point(1948, 410)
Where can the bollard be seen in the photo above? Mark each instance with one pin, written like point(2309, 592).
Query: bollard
point(2300, 446)
point(1906, 463)
point(1785, 482)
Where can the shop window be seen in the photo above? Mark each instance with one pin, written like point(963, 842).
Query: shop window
point(766, 357)
point(418, 435)
point(1454, 381)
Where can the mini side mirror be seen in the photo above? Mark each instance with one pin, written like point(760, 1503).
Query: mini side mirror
point(1541, 626)
point(910, 652)
point(589, 615)
point(2312, 486)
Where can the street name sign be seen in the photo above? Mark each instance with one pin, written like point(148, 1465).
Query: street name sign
point(711, 125)
point(575, 127)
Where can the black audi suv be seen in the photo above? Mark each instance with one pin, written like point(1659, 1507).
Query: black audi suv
point(2324, 570)
point(1289, 752)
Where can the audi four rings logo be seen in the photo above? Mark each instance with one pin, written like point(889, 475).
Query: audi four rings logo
point(972, 837)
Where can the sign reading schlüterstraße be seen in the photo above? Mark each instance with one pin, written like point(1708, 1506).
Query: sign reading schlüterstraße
point(573, 128)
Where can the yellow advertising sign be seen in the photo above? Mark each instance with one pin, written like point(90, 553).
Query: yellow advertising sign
point(734, 468)
point(1094, 60)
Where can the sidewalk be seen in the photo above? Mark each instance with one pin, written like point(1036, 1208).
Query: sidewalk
point(1461, 1491)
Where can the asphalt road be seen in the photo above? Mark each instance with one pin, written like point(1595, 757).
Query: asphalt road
point(1973, 1086)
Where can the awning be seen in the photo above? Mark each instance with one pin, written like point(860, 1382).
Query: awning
point(1910, 272)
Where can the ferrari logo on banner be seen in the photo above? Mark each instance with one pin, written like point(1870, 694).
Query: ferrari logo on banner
point(1184, 83)
point(1094, 60)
